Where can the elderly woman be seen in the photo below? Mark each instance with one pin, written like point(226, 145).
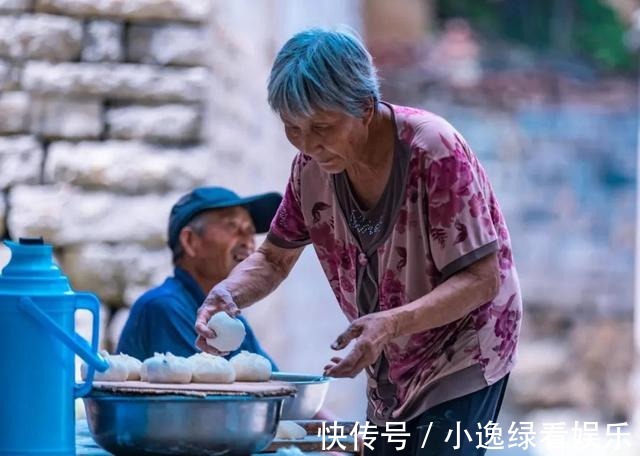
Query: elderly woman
point(412, 240)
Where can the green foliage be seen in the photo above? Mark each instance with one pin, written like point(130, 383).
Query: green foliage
point(599, 34)
point(585, 28)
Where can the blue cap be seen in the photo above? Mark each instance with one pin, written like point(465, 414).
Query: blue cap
point(262, 208)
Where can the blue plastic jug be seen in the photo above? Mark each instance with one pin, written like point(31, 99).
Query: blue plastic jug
point(38, 343)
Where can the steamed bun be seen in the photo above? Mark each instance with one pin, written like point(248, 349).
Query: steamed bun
point(251, 367)
point(167, 368)
point(117, 371)
point(230, 332)
point(211, 369)
point(290, 451)
point(133, 365)
point(290, 430)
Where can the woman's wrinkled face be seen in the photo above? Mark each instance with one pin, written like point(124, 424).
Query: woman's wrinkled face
point(331, 138)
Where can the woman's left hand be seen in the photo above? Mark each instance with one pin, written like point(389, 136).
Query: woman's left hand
point(371, 334)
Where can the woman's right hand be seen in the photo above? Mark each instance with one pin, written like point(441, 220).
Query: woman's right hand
point(218, 300)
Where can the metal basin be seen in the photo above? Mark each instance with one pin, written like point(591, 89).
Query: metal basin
point(181, 425)
point(312, 390)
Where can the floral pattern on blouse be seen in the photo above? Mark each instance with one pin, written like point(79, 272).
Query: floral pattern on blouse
point(449, 218)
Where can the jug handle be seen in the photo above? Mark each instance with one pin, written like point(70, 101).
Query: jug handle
point(89, 302)
point(75, 342)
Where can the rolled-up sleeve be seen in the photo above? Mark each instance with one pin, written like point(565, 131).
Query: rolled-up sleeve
point(288, 228)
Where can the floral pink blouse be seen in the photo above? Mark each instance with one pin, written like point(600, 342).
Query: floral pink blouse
point(449, 218)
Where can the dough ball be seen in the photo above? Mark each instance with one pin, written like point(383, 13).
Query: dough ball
point(133, 365)
point(167, 368)
point(251, 367)
point(290, 451)
point(230, 332)
point(290, 430)
point(117, 371)
point(211, 369)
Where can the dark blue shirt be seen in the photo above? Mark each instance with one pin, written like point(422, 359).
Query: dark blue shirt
point(162, 320)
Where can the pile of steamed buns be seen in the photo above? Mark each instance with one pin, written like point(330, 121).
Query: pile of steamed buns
point(199, 368)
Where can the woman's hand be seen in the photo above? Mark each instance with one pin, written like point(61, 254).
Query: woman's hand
point(251, 280)
point(218, 300)
point(371, 333)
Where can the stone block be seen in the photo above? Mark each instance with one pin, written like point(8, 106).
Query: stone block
point(65, 216)
point(169, 123)
point(15, 6)
point(57, 117)
point(111, 270)
point(129, 167)
point(40, 36)
point(14, 112)
point(167, 45)
point(117, 81)
point(133, 10)
point(104, 42)
point(20, 160)
point(8, 76)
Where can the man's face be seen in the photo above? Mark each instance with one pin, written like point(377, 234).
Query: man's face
point(226, 239)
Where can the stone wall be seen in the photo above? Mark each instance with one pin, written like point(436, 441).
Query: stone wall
point(102, 106)
point(110, 110)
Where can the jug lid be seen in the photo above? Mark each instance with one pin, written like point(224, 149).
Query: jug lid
point(31, 270)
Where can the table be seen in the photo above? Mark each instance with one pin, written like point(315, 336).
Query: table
point(85, 445)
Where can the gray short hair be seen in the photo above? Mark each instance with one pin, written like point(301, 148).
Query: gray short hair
point(323, 69)
point(198, 224)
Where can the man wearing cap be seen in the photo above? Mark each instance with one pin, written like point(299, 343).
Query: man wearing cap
point(211, 230)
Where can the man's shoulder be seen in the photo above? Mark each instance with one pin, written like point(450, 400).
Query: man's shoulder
point(165, 295)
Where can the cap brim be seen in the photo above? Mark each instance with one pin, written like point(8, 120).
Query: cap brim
point(262, 208)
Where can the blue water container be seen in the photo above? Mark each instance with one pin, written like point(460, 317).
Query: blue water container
point(38, 343)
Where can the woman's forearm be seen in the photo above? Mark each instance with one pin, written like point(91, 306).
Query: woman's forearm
point(450, 301)
point(259, 274)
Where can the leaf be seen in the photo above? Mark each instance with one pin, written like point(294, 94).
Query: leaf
point(440, 235)
point(462, 232)
point(315, 211)
point(402, 253)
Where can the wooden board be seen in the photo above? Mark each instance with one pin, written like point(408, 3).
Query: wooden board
point(256, 389)
point(312, 442)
